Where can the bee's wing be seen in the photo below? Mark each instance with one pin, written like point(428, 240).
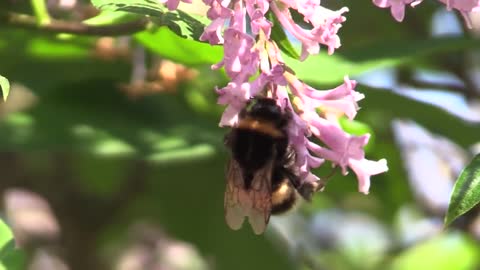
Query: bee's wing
point(261, 198)
point(254, 202)
point(235, 197)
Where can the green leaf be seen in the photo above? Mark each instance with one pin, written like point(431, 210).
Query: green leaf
point(446, 252)
point(358, 128)
point(183, 24)
point(401, 50)
point(5, 234)
point(466, 192)
point(11, 258)
point(39, 48)
point(279, 36)
point(5, 85)
point(169, 45)
point(144, 7)
point(105, 17)
point(330, 69)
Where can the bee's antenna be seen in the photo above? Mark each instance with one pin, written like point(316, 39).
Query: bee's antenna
point(308, 189)
point(324, 180)
point(330, 175)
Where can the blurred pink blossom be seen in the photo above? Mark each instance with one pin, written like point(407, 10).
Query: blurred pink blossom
point(240, 58)
point(397, 7)
point(67, 4)
point(464, 7)
point(325, 23)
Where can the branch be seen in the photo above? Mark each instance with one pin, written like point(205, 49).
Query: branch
point(76, 28)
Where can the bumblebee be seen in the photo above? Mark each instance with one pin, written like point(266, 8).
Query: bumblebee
point(261, 178)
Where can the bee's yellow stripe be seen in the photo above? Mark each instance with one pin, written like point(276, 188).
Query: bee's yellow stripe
point(282, 193)
point(260, 126)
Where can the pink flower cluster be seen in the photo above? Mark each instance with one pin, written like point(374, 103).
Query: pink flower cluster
point(397, 7)
point(253, 62)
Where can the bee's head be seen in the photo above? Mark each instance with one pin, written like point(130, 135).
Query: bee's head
point(266, 109)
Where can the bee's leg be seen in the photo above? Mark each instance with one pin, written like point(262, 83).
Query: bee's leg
point(228, 139)
point(288, 112)
point(294, 179)
point(307, 189)
point(289, 158)
point(277, 178)
point(243, 112)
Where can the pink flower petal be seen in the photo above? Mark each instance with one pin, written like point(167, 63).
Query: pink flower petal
point(364, 169)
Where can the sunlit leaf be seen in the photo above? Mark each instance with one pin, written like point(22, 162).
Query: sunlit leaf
point(181, 23)
point(466, 192)
point(144, 7)
point(358, 128)
point(5, 85)
point(5, 234)
point(11, 258)
point(169, 45)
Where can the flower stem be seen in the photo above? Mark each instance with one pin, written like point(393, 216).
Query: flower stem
point(40, 11)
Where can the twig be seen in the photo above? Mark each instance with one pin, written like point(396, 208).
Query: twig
point(77, 28)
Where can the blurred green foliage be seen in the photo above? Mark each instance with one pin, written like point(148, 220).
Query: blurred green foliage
point(11, 258)
point(452, 251)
